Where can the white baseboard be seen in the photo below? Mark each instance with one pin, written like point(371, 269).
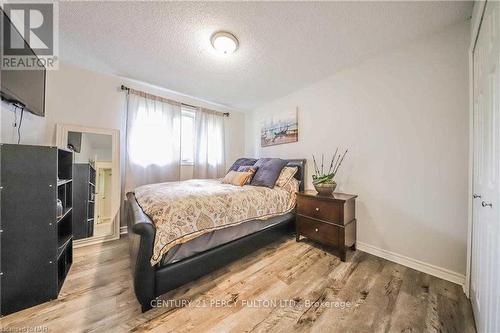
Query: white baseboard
point(464, 288)
point(123, 230)
point(418, 265)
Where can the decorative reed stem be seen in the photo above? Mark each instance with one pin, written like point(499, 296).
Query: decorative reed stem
point(333, 159)
point(336, 163)
point(316, 171)
point(322, 161)
point(340, 163)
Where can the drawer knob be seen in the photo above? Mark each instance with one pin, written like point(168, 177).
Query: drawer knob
point(316, 229)
point(317, 209)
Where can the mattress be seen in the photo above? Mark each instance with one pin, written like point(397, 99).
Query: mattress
point(219, 237)
point(183, 211)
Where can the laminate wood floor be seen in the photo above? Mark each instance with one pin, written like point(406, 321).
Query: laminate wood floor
point(284, 287)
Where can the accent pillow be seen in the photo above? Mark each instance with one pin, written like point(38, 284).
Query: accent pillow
point(291, 186)
point(268, 171)
point(252, 169)
point(286, 174)
point(236, 178)
point(242, 162)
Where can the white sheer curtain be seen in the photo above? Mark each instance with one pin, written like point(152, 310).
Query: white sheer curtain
point(153, 141)
point(209, 145)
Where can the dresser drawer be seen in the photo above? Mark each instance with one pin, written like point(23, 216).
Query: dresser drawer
point(319, 209)
point(324, 233)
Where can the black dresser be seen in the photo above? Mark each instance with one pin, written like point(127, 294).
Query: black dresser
point(35, 240)
point(84, 179)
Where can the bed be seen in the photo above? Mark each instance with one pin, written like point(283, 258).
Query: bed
point(158, 268)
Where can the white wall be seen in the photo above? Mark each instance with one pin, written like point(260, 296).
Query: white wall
point(404, 117)
point(33, 127)
point(85, 153)
point(103, 154)
point(89, 153)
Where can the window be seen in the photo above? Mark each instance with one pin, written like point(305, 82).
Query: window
point(150, 138)
point(187, 136)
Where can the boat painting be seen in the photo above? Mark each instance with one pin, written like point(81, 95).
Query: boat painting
point(279, 129)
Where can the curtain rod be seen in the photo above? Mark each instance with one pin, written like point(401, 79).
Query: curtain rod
point(143, 93)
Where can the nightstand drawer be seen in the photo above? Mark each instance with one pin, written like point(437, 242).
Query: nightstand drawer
point(324, 233)
point(320, 209)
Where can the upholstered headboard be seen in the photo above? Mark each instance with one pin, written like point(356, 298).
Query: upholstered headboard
point(300, 175)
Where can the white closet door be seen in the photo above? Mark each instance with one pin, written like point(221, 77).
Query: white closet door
point(485, 272)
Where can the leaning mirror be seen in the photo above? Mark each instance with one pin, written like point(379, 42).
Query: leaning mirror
point(96, 182)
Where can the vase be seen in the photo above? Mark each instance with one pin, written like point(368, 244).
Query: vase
point(325, 188)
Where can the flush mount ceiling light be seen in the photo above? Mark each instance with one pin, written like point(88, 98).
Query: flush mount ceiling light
point(224, 42)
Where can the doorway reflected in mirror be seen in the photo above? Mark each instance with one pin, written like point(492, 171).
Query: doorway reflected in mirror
point(92, 174)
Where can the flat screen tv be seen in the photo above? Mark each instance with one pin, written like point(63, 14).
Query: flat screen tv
point(23, 87)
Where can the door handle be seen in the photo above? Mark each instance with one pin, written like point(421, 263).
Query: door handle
point(484, 204)
point(475, 196)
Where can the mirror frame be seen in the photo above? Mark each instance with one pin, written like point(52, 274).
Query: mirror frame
point(61, 141)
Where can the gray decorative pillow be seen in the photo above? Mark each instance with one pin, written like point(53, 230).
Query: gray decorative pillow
point(268, 171)
point(242, 162)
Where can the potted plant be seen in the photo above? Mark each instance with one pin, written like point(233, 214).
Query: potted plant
point(324, 183)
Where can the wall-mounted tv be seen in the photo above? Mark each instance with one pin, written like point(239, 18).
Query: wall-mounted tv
point(23, 87)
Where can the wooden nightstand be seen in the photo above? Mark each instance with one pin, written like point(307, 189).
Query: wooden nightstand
point(329, 220)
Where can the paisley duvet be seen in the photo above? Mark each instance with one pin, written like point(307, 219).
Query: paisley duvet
point(184, 210)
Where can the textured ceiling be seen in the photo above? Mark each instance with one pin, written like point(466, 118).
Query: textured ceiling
point(283, 45)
